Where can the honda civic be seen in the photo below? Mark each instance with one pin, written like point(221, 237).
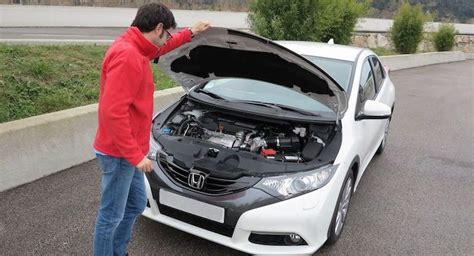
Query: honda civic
point(267, 146)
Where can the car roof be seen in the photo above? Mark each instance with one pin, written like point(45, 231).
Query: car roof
point(325, 50)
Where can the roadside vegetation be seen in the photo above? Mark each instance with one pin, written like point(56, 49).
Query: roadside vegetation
point(40, 79)
point(406, 32)
point(309, 20)
point(443, 39)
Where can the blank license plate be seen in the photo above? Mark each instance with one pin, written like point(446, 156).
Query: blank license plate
point(192, 206)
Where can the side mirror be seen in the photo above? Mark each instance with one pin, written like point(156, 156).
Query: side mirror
point(374, 110)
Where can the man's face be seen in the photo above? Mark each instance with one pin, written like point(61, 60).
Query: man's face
point(161, 35)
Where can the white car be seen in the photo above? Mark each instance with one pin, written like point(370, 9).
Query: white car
point(264, 151)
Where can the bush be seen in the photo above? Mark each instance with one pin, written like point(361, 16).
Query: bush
point(306, 20)
point(443, 40)
point(407, 30)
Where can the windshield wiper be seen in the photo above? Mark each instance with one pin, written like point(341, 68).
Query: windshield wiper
point(258, 103)
point(213, 95)
point(279, 107)
point(298, 110)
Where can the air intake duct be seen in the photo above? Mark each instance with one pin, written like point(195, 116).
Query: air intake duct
point(291, 143)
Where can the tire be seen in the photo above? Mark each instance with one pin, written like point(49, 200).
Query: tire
point(345, 195)
point(384, 140)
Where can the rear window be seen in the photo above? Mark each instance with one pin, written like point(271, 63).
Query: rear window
point(339, 70)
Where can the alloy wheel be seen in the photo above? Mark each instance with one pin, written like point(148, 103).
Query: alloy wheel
point(343, 207)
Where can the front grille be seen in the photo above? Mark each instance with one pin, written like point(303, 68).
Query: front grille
point(216, 227)
point(212, 185)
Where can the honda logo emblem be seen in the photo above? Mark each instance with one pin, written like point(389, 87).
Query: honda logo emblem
point(196, 180)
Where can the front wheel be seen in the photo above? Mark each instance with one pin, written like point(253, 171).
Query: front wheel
point(339, 216)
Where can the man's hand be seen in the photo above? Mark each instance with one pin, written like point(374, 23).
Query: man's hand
point(145, 165)
point(199, 27)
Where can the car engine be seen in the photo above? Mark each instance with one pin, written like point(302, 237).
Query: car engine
point(283, 142)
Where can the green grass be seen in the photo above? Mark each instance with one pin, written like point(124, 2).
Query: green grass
point(38, 79)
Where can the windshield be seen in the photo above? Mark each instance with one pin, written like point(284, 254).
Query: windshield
point(240, 89)
point(339, 70)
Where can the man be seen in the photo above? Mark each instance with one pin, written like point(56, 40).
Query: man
point(125, 113)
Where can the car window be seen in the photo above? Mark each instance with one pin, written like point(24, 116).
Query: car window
point(339, 70)
point(254, 90)
point(367, 82)
point(378, 72)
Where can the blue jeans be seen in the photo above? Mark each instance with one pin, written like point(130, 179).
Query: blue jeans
point(123, 198)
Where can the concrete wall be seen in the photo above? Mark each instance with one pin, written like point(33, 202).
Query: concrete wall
point(383, 25)
point(38, 146)
point(398, 62)
point(463, 42)
point(469, 55)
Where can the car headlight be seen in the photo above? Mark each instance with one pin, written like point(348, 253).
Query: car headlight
point(287, 186)
point(155, 147)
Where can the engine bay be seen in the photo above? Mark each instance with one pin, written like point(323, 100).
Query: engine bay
point(279, 140)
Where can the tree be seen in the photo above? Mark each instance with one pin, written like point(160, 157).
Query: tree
point(306, 20)
point(407, 29)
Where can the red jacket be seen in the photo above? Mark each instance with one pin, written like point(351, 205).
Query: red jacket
point(126, 94)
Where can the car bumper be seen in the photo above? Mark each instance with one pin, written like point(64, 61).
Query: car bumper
point(308, 215)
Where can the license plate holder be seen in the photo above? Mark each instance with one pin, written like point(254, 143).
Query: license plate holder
point(192, 206)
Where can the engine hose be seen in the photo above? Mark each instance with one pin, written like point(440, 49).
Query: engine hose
point(185, 122)
point(284, 143)
point(186, 131)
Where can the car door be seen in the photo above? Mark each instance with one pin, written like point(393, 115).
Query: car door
point(369, 131)
point(384, 94)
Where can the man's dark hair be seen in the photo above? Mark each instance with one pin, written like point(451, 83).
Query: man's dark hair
point(150, 15)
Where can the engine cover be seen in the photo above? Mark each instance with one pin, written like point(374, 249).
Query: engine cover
point(222, 139)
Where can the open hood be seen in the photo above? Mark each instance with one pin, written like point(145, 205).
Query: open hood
point(224, 53)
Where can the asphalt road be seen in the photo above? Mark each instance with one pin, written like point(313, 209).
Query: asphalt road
point(415, 199)
point(64, 33)
point(104, 35)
